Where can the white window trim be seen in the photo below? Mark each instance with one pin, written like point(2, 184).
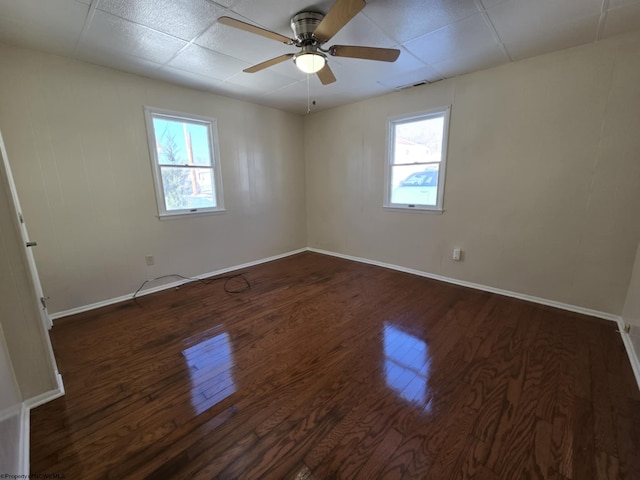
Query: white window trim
point(211, 123)
point(391, 122)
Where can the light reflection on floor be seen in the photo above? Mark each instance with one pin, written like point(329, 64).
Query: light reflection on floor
point(210, 363)
point(406, 364)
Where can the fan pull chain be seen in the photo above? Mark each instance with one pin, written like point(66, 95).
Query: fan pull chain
point(308, 96)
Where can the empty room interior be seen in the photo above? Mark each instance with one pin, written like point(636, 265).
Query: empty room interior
point(334, 239)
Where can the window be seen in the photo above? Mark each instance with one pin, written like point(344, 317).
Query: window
point(416, 165)
point(186, 165)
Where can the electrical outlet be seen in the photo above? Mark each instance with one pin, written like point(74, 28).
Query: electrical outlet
point(149, 259)
point(457, 254)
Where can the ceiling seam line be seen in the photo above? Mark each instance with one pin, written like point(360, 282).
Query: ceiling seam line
point(492, 27)
point(188, 44)
point(87, 21)
point(602, 20)
point(193, 40)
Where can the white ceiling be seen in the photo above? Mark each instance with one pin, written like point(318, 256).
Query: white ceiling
point(180, 40)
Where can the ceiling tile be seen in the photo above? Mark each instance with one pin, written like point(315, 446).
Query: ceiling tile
point(359, 77)
point(249, 95)
point(240, 44)
point(223, 3)
point(184, 19)
point(619, 3)
point(45, 13)
point(404, 20)
point(469, 39)
point(440, 38)
point(405, 63)
point(516, 14)
point(289, 69)
point(459, 65)
point(295, 96)
point(190, 79)
point(622, 19)
point(208, 63)
point(550, 38)
point(264, 81)
point(404, 79)
point(362, 31)
point(362, 76)
point(276, 14)
point(109, 33)
point(490, 3)
point(58, 21)
point(530, 28)
point(240, 91)
point(119, 61)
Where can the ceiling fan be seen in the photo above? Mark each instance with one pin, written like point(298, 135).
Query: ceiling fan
point(311, 30)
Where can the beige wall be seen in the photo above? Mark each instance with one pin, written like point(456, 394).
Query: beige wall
point(631, 313)
point(542, 180)
point(543, 177)
point(75, 136)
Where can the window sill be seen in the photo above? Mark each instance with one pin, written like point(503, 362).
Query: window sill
point(401, 208)
point(174, 216)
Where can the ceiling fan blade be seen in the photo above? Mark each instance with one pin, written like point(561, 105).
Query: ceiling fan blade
point(366, 53)
point(268, 63)
point(247, 27)
point(325, 75)
point(337, 17)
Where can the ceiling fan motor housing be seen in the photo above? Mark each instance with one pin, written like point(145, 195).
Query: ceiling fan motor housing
point(304, 24)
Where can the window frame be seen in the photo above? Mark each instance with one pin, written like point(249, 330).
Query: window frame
point(445, 113)
point(212, 129)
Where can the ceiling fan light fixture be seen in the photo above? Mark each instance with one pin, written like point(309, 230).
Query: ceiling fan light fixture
point(310, 62)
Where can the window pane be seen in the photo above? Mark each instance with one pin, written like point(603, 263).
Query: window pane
point(181, 143)
point(186, 188)
point(419, 141)
point(414, 184)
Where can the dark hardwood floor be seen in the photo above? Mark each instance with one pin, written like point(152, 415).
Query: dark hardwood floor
point(328, 368)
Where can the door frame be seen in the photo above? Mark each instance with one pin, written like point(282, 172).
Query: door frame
point(38, 295)
point(31, 262)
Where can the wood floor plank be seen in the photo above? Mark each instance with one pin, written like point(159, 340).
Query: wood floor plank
point(381, 455)
point(454, 449)
point(584, 452)
point(628, 437)
point(328, 368)
point(410, 458)
point(562, 433)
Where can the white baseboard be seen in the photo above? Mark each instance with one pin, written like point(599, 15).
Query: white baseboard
point(45, 397)
point(166, 286)
point(476, 286)
point(25, 419)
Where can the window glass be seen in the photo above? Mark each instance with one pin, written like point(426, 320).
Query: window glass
point(186, 169)
point(417, 155)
